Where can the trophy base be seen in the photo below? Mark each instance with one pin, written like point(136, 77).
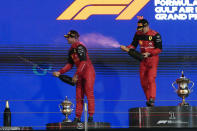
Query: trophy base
point(79, 125)
point(67, 121)
point(183, 104)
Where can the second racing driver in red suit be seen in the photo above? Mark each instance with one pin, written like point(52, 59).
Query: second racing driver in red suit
point(150, 46)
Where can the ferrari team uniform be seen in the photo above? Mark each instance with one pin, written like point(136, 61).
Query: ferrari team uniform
point(149, 42)
point(78, 55)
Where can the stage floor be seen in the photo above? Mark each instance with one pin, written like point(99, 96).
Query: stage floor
point(138, 129)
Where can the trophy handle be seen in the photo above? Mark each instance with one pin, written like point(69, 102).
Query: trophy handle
point(174, 86)
point(60, 107)
point(192, 85)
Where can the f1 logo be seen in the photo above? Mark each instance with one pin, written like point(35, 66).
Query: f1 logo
point(172, 115)
point(83, 9)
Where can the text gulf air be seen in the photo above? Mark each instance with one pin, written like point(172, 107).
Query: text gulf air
point(175, 9)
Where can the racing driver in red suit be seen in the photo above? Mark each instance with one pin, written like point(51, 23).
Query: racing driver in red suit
point(84, 76)
point(150, 46)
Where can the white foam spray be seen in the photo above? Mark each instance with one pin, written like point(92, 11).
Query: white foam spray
point(98, 40)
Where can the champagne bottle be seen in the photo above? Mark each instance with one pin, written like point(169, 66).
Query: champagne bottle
point(7, 115)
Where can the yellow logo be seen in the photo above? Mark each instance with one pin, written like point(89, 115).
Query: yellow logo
point(139, 24)
point(83, 9)
point(150, 38)
point(140, 42)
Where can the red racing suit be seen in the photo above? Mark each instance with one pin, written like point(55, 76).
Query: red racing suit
point(78, 55)
point(150, 42)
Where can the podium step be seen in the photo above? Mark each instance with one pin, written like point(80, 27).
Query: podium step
point(79, 125)
point(163, 116)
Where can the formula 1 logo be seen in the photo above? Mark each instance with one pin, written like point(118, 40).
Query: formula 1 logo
point(83, 9)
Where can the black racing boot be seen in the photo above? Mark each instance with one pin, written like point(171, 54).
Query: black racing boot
point(150, 102)
point(90, 119)
point(76, 120)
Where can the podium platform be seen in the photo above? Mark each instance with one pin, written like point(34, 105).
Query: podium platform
point(163, 116)
point(7, 128)
point(79, 125)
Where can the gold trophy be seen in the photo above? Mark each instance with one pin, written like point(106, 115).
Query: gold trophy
point(183, 89)
point(66, 107)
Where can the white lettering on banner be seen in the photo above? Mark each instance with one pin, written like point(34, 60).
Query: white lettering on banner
point(166, 9)
point(171, 16)
point(186, 10)
point(192, 17)
point(175, 9)
point(175, 3)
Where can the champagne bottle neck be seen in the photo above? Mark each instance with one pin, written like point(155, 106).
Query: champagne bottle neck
point(7, 105)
